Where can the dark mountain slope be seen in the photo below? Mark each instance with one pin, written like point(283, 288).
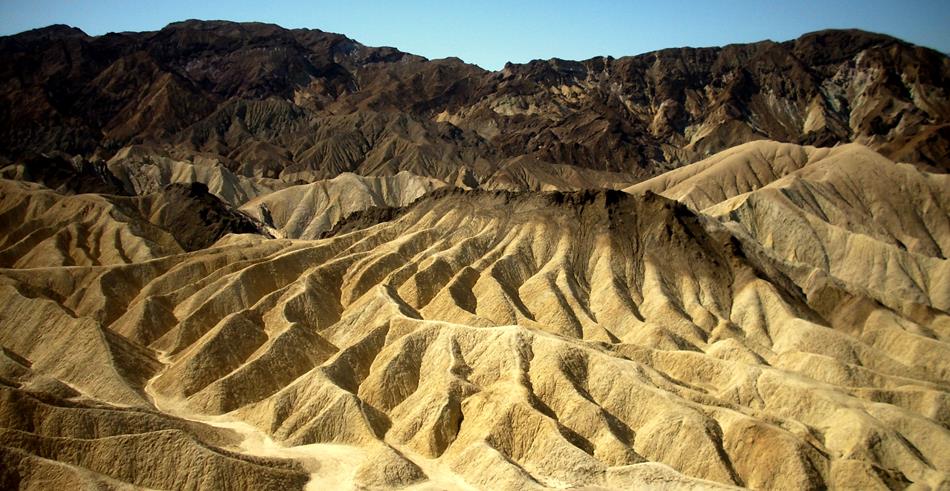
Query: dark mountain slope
point(305, 104)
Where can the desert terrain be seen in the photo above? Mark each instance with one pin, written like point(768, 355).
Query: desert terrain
point(329, 266)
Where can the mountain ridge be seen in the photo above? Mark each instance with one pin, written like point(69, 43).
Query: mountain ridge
point(241, 256)
point(278, 102)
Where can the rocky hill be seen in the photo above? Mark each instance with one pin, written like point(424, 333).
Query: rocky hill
point(235, 256)
point(307, 105)
point(784, 324)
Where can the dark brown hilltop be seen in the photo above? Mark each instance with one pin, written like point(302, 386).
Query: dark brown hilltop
point(305, 104)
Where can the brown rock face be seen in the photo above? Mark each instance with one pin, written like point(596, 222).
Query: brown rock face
point(304, 104)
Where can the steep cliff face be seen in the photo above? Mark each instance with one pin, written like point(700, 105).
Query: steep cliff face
point(306, 105)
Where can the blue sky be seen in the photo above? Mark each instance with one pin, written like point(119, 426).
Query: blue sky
point(490, 32)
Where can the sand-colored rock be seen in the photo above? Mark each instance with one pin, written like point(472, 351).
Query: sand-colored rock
point(846, 211)
point(39, 227)
point(307, 211)
point(783, 325)
point(45, 228)
point(146, 170)
point(54, 436)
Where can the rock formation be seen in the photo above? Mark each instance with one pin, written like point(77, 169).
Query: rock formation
point(242, 257)
point(267, 102)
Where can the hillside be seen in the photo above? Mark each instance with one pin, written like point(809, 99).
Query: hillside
point(237, 256)
point(783, 332)
point(269, 102)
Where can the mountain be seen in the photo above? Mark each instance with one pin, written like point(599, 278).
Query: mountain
point(236, 256)
point(308, 211)
point(307, 105)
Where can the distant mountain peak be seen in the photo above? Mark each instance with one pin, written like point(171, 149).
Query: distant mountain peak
point(634, 115)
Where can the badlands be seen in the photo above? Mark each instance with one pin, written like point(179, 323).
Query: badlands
point(398, 303)
point(772, 317)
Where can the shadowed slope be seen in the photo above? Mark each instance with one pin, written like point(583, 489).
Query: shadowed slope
point(39, 227)
point(848, 211)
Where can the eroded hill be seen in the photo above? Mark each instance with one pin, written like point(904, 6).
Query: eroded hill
point(783, 324)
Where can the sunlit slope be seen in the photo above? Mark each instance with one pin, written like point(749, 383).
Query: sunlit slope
point(308, 210)
point(546, 340)
point(40, 227)
point(52, 436)
point(882, 227)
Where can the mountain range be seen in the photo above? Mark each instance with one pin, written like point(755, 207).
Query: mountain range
point(237, 256)
point(305, 104)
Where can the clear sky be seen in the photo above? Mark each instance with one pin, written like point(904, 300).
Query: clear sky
point(491, 32)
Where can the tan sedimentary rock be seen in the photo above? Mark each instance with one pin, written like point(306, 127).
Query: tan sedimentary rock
point(308, 210)
point(783, 325)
